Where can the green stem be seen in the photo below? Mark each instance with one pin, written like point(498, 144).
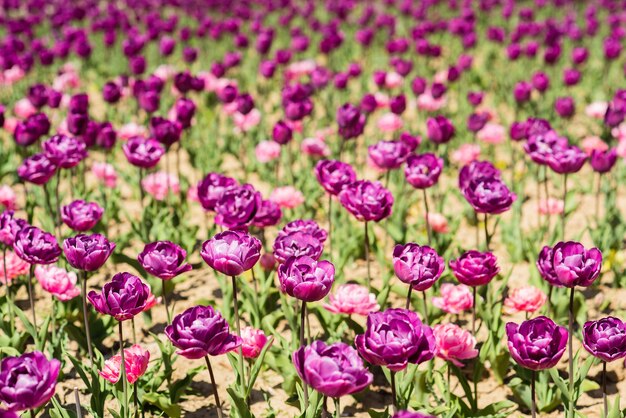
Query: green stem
point(337, 408)
point(238, 328)
point(214, 385)
point(533, 406)
point(367, 257)
point(123, 369)
point(394, 396)
point(303, 343)
point(86, 314)
point(165, 303)
point(428, 230)
point(571, 351)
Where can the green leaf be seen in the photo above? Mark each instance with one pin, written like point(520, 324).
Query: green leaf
point(162, 403)
point(239, 404)
point(588, 385)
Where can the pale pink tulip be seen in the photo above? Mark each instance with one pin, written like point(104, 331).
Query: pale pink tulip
point(253, 342)
point(596, 110)
point(427, 102)
point(593, 143)
point(438, 223)
point(454, 299)
point(57, 281)
point(287, 197)
point(8, 197)
point(159, 184)
point(390, 122)
point(492, 133)
point(267, 151)
point(12, 75)
point(23, 108)
point(352, 299)
point(246, 122)
point(15, 267)
point(454, 343)
point(105, 173)
point(524, 299)
point(315, 147)
point(465, 154)
point(393, 80)
point(10, 124)
point(136, 360)
point(131, 130)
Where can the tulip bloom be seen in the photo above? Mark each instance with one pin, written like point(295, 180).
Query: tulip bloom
point(136, 360)
point(454, 343)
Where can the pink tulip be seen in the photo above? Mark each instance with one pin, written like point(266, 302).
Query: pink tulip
point(24, 108)
point(253, 342)
point(10, 124)
point(492, 133)
point(131, 130)
point(465, 154)
point(152, 300)
point(192, 193)
point(596, 110)
point(382, 100)
point(438, 223)
point(8, 197)
point(620, 149)
point(287, 197)
point(393, 80)
point(230, 108)
point(352, 299)
point(454, 298)
point(454, 343)
point(246, 122)
point(210, 81)
point(164, 72)
point(267, 262)
point(136, 361)
point(315, 147)
point(267, 151)
point(427, 102)
point(159, 184)
point(15, 267)
point(524, 299)
point(551, 206)
point(66, 81)
point(619, 132)
point(295, 125)
point(390, 122)
point(105, 173)
point(57, 281)
point(593, 143)
point(12, 75)
point(299, 69)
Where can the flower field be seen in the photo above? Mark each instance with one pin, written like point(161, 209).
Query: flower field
point(300, 208)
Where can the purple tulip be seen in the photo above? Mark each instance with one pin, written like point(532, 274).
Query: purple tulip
point(305, 278)
point(546, 268)
point(142, 152)
point(439, 129)
point(409, 414)
point(334, 370)
point(536, 344)
point(350, 120)
point(87, 252)
point(36, 169)
point(475, 268)
point(477, 121)
point(489, 195)
point(565, 107)
point(185, 110)
point(81, 216)
point(521, 91)
point(111, 92)
point(475, 98)
point(603, 161)
point(201, 331)
point(269, 214)
point(334, 175)
point(27, 382)
point(566, 160)
point(36, 246)
point(231, 252)
point(165, 131)
point(9, 227)
point(605, 338)
point(418, 266)
point(237, 207)
point(541, 146)
point(574, 265)
point(388, 155)
point(366, 200)
point(164, 259)
point(282, 133)
point(306, 226)
point(295, 244)
point(394, 338)
point(123, 297)
point(422, 171)
point(397, 104)
point(212, 188)
point(541, 81)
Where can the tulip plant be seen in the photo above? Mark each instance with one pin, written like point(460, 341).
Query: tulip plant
point(384, 209)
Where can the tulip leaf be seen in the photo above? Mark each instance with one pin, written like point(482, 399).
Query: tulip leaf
point(162, 403)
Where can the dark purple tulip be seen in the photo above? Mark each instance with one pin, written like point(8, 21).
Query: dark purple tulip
point(245, 103)
point(571, 76)
point(418, 85)
point(36, 246)
point(34, 127)
point(350, 120)
point(518, 131)
point(475, 268)
point(334, 175)
point(437, 90)
point(307, 226)
point(185, 110)
point(77, 123)
point(81, 216)
point(394, 338)
point(149, 101)
point(565, 106)
point(27, 382)
point(603, 161)
point(166, 46)
point(142, 152)
point(9, 227)
point(111, 92)
point(540, 147)
point(137, 65)
point(87, 252)
point(477, 121)
point(334, 370)
point(212, 188)
point(439, 129)
point(574, 265)
point(54, 98)
point(164, 259)
point(267, 68)
point(237, 207)
point(541, 81)
point(521, 91)
point(64, 151)
point(612, 48)
point(366, 200)
point(489, 195)
point(536, 344)
point(123, 297)
point(477, 170)
point(605, 338)
point(475, 98)
point(546, 268)
point(422, 171)
point(305, 278)
point(567, 160)
point(36, 169)
point(182, 81)
point(165, 131)
point(190, 54)
point(418, 266)
point(38, 95)
point(282, 133)
point(295, 244)
point(388, 155)
point(201, 331)
point(411, 141)
point(397, 104)
point(231, 252)
point(107, 137)
point(409, 414)
point(368, 104)
point(228, 94)
point(579, 55)
point(89, 136)
point(269, 214)
point(79, 103)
